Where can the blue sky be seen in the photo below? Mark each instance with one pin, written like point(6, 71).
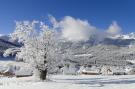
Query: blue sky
point(99, 13)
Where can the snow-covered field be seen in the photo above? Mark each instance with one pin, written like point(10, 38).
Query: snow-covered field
point(65, 81)
point(70, 82)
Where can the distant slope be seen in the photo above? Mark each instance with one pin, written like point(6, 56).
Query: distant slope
point(5, 43)
point(118, 48)
point(112, 51)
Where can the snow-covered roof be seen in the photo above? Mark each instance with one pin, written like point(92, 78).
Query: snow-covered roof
point(23, 72)
point(18, 68)
point(2, 69)
point(132, 61)
point(118, 70)
point(92, 69)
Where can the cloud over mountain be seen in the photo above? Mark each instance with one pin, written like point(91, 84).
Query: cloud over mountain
point(114, 29)
point(76, 29)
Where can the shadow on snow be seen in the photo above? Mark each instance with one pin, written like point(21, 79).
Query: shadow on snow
point(96, 82)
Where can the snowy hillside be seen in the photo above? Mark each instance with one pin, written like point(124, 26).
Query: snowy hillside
point(109, 49)
point(125, 36)
point(122, 45)
point(5, 43)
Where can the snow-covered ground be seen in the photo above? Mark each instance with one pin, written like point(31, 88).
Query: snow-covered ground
point(70, 82)
point(16, 68)
point(64, 81)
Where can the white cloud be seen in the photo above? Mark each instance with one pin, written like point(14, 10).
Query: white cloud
point(76, 29)
point(81, 30)
point(114, 29)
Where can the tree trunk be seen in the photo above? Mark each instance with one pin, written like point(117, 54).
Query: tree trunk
point(43, 74)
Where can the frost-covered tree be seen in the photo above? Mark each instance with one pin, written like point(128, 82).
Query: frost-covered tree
point(39, 46)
